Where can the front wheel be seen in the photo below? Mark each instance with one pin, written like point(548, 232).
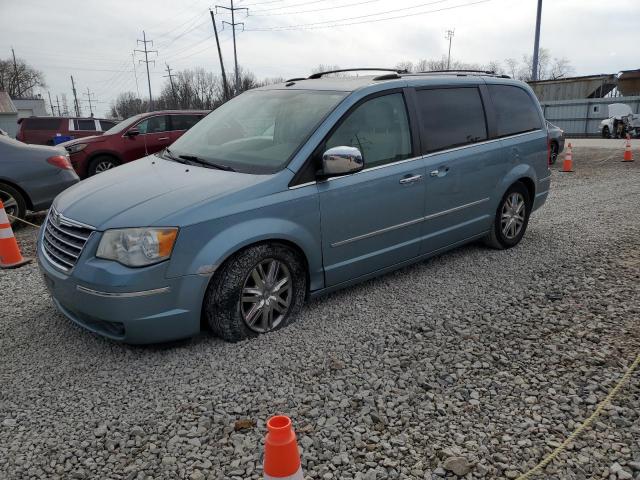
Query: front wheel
point(259, 290)
point(101, 164)
point(606, 133)
point(512, 218)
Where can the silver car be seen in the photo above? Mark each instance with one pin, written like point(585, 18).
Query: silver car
point(31, 176)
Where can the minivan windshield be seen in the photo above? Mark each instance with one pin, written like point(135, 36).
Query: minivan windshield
point(123, 125)
point(258, 131)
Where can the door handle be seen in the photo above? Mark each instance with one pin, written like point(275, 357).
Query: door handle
point(411, 179)
point(439, 172)
point(163, 138)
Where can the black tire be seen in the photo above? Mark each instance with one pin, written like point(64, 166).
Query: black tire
point(554, 152)
point(496, 238)
point(16, 204)
point(100, 164)
point(222, 303)
point(606, 133)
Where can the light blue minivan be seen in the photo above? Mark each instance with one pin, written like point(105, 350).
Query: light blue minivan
point(293, 190)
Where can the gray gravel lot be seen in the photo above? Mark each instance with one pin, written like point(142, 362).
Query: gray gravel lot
point(494, 357)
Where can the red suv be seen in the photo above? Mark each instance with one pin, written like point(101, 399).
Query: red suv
point(42, 130)
point(131, 139)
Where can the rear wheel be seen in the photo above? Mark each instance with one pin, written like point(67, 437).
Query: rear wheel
point(512, 218)
point(101, 164)
point(14, 203)
point(259, 290)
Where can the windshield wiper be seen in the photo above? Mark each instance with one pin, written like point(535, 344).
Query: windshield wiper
point(206, 163)
point(167, 154)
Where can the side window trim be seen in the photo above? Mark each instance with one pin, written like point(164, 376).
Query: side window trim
point(477, 86)
point(316, 151)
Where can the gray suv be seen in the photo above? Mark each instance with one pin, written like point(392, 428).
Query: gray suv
point(291, 191)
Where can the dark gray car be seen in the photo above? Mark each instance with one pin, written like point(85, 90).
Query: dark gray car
point(31, 176)
point(556, 141)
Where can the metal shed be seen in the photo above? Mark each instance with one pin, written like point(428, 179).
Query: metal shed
point(8, 115)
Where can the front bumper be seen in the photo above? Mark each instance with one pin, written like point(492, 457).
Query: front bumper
point(135, 306)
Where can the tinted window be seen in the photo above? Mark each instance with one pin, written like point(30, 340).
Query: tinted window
point(451, 117)
point(154, 125)
point(41, 123)
point(379, 128)
point(104, 125)
point(515, 110)
point(85, 125)
point(184, 122)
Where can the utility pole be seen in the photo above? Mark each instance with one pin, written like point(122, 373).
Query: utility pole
point(536, 44)
point(449, 36)
point(173, 90)
point(75, 97)
point(225, 86)
point(53, 112)
point(233, 24)
point(88, 94)
point(58, 102)
point(146, 60)
point(135, 73)
point(15, 74)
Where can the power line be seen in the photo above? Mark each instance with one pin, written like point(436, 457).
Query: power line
point(173, 90)
point(328, 23)
point(135, 73)
point(254, 14)
point(146, 60)
point(88, 94)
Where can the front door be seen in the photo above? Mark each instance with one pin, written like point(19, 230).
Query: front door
point(154, 135)
point(372, 219)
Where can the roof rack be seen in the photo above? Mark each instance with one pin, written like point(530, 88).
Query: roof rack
point(462, 71)
point(320, 74)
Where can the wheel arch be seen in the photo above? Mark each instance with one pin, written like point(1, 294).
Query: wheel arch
point(104, 153)
point(21, 190)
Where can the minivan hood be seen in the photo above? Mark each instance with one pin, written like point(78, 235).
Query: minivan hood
point(145, 191)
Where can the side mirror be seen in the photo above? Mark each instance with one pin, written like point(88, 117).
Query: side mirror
point(341, 161)
point(133, 132)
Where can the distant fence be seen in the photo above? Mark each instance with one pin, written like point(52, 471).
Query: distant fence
point(581, 118)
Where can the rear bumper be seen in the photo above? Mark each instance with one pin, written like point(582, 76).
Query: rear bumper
point(169, 310)
point(542, 192)
point(63, 180)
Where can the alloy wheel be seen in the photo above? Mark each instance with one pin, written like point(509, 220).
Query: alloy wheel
point(513, 215)
point(266, 295)
point(10, 205)
point(104, 166)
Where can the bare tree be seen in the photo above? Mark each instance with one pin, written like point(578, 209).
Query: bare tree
point(19, 79)
point(512, 67)
point(549, 68)
point(126, 105)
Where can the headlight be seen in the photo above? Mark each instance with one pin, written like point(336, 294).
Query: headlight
point(76, 147)
point(137, 247)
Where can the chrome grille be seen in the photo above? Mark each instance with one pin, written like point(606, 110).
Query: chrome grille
point(64, 239)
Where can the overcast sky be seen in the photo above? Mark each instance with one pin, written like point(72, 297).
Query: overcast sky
point(93, 41)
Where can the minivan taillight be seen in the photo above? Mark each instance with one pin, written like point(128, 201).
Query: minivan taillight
point(60, 161)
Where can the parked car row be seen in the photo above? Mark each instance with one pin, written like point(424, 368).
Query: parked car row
point(32, 174)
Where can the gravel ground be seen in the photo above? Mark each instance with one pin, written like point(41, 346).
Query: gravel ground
point(477, 362)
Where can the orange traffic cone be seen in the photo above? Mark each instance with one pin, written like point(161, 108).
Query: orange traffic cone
point(10, 256)
point(281, 455)
point(628, 154)
point(567, 165)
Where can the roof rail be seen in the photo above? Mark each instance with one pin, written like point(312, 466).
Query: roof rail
point(479, 72)
point(320, 74)
point(296, 79)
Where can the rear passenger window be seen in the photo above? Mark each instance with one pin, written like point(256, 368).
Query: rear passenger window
point(87, 125)
point(184, 122)
point(379, 128)
point(105, 125)
point(515, 109)
point(41, 123)
point(451, 117)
